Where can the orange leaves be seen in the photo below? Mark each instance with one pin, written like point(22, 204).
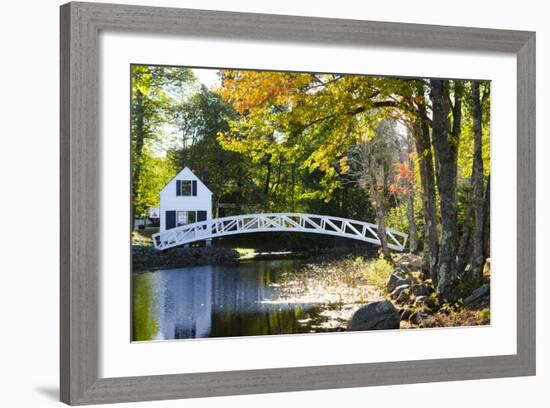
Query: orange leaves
point(402, 171)
point(397, 189)
point(403, 179)
point(250, 90)
point(323, 114)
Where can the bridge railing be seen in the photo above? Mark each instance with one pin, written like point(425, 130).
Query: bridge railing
point(278, 222)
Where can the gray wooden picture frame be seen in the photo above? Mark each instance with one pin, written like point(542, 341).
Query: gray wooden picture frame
point(80, 192)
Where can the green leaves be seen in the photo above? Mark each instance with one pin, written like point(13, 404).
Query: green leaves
point(322, 113)
point(152, 98)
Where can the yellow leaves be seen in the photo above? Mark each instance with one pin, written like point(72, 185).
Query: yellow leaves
point(465, 149)
point(366, 135)
point(143, 88)
point(251, 90)
point(344, 164)
point(141, 78)
point(324, 114)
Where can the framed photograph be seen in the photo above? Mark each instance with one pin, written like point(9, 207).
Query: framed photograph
point(357, 198)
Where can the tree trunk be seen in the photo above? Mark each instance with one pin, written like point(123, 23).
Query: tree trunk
point(464, 251)
point(413, 244)
point(267, 181)
point(380, 219)
point(487, 221)
point(405, 156)
point(184, 161)
point(293, 181)
point(140, 137)
point(446, 156)
point(378, 205)
point(422, 141)
point(477, 186)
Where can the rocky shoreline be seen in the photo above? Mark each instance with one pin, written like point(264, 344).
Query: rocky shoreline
point(362, 294)
point(419, 305)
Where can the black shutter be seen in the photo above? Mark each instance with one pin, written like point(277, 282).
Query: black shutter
point(201, 216)
point(194, 188)
point(170, 219)
point(178, 187)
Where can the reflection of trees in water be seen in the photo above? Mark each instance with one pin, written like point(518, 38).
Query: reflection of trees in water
point(217, 301)
point(238, 309)
point(145, 317)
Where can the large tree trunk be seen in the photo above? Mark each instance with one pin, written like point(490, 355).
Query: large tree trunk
point(477, 186)
point(138, 150)
point(446, 149)
point(422, 141)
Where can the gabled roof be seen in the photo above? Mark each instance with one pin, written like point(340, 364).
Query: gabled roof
point(186, 174)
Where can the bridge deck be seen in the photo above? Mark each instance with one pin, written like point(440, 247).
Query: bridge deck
point(278, 222)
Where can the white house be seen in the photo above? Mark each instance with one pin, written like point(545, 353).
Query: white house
point(184, 200)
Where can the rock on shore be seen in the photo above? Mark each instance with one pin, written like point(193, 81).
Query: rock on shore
point(375, 316)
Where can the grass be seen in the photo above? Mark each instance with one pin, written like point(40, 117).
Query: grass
point(245, 253)
point(485, 314)
point(143, 236)
point(375, 271)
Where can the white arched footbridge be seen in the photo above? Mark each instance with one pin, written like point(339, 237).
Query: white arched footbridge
point(278, 222)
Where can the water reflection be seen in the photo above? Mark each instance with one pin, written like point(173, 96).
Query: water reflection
point(214, 301)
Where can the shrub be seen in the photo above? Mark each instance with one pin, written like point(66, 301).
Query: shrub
point(378, 272)
point(359, 262)
point(485, 313)
point(468, 285)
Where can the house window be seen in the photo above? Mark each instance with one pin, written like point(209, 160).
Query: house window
point(185, 217)
point(186, 187)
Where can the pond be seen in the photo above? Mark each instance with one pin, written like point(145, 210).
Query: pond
point(216, 301)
